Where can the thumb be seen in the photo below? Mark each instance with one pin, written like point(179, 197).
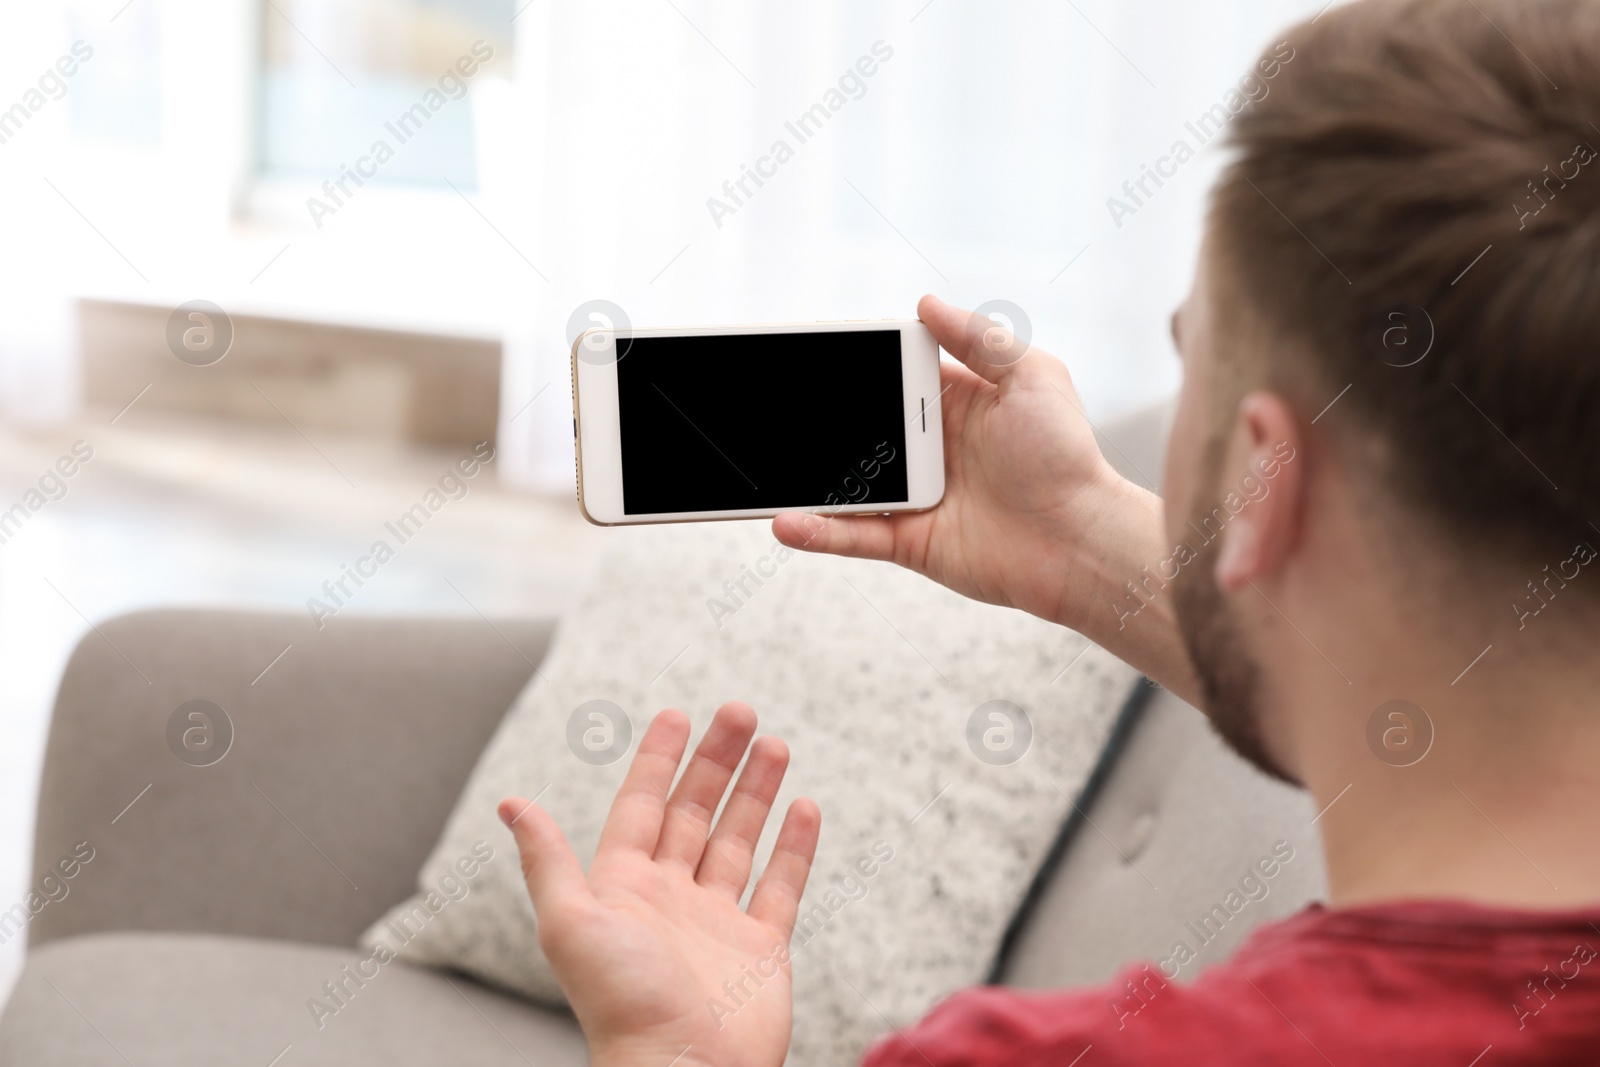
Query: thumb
point(549, 867)
point(985, 346)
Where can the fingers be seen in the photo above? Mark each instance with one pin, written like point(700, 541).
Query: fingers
point(725, 867)
point(549, 866)
point(687, 824)
point(862, 536)
point(636, 813)
point(984, 345)
point(552, 871)
point(777, 895)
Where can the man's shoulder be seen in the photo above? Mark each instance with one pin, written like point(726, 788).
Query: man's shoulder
point(1415, 981)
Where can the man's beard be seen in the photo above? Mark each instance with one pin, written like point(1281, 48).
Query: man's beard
point(1230, 679)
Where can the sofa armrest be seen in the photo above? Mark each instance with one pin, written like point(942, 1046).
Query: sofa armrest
point(347, 756)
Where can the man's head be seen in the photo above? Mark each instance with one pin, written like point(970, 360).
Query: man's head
point(1399, 302)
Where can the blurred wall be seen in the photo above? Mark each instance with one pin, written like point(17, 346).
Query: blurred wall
point(978, 158)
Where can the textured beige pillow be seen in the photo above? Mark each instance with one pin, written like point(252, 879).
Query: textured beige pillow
point(899, 701)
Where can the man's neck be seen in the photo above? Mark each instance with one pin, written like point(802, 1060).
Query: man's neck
point(1489, 793)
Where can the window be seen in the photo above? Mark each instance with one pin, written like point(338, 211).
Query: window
point(340, 76)
point(116, 94)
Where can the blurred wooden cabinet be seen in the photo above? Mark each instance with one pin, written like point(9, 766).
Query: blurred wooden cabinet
point(406, 387)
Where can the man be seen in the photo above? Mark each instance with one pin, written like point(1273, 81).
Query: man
point(1395, 330)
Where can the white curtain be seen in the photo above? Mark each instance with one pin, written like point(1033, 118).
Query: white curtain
point(976, 162)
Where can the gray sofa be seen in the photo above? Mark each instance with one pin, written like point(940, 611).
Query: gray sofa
point(220, 898)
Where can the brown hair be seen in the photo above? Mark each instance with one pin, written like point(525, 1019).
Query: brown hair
point(1426, 171)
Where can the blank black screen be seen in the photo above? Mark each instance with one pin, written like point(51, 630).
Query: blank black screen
point(735, 421)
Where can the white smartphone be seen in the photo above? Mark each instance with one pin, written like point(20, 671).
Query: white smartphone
point(739, 422)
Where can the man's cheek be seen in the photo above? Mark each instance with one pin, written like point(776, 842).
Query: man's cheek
point(1185, 447)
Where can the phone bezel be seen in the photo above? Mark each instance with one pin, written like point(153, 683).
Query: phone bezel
point(598, 435)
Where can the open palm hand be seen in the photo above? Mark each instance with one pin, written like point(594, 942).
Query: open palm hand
point(658, 960)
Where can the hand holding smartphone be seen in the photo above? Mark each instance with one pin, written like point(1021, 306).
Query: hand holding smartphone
point(736, 422)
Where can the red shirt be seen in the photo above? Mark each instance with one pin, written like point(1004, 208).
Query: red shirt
point(1413, 984)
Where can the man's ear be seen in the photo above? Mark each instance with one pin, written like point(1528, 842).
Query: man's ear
point(1266, 467)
